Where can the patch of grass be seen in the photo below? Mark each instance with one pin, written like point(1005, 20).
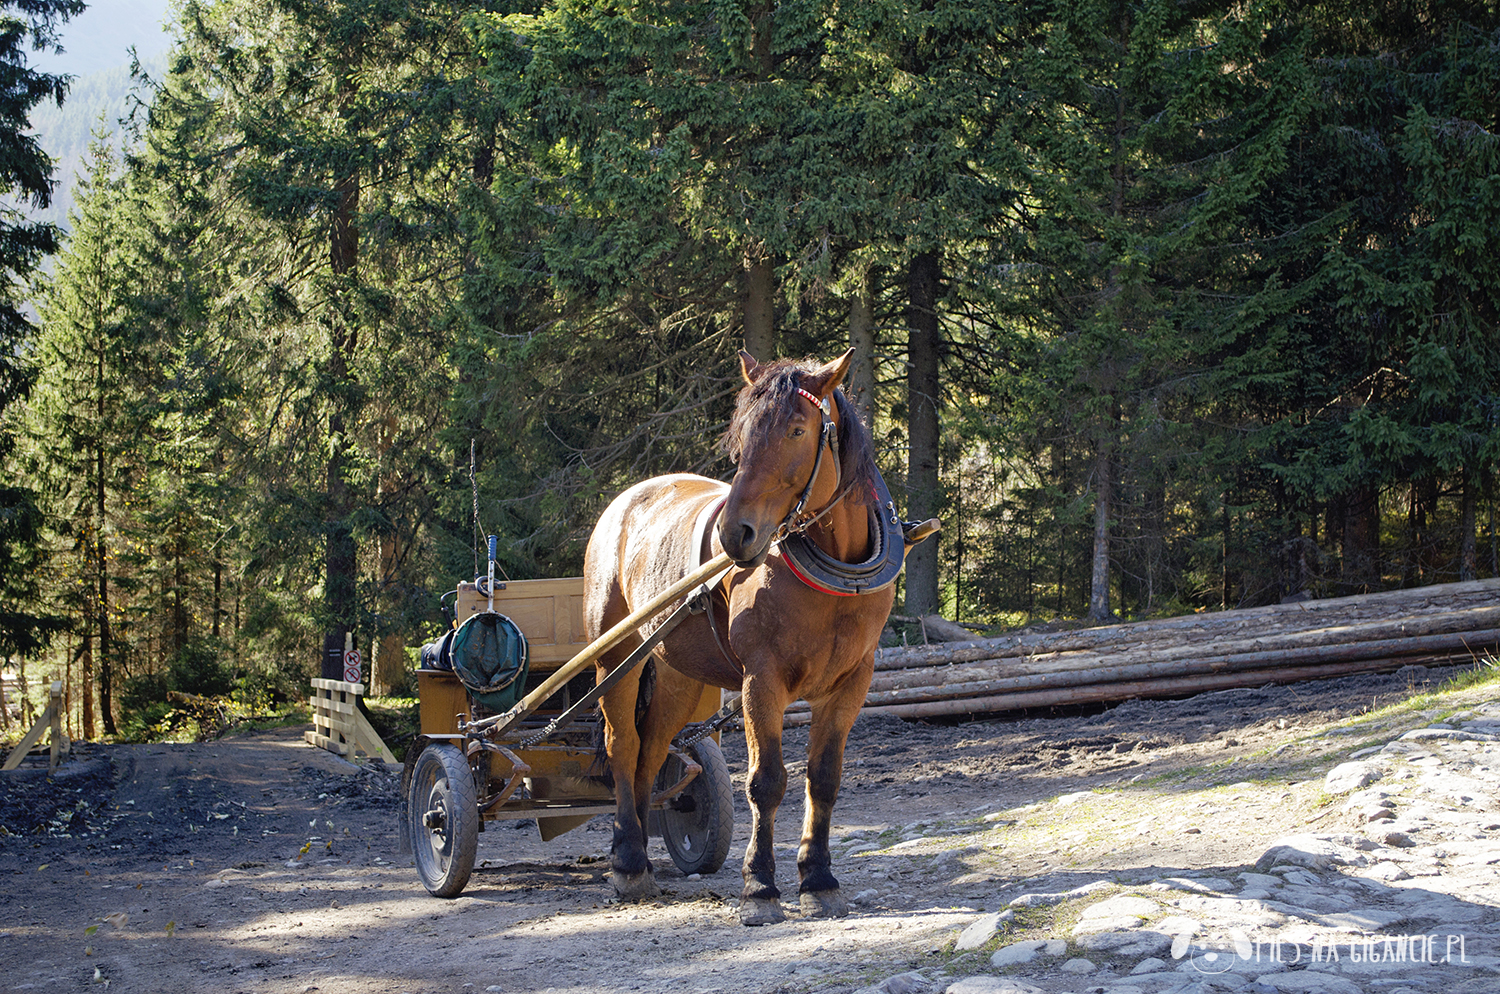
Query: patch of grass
point(1486, 670)
point(288, 717)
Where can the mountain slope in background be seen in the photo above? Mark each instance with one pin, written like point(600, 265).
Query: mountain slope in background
point(97, 46)
point(101, 98)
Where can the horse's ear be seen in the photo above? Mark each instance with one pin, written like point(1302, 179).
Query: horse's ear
point(827, 377)
point(749, 368)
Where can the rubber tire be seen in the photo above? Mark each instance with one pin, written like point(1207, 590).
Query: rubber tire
point(698, 840)
point(442, 780)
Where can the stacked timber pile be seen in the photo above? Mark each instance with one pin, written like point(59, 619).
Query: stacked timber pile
point(1283, 643)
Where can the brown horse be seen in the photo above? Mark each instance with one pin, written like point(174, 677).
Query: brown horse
point(802, 454)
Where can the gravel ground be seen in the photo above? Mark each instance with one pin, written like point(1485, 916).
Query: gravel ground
point(1102, 843)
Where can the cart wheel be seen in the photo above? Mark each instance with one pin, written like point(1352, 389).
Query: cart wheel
point(697, 824)
point(444, 819)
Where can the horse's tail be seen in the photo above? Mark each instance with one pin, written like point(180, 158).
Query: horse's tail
point(646, 691)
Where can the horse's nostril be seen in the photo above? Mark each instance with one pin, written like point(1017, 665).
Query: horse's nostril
point(747, 535)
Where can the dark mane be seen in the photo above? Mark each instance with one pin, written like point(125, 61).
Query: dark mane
point(764, 407)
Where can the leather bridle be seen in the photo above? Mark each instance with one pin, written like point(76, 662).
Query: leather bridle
point(795, 523)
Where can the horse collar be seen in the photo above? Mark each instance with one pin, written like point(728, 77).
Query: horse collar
point(825, 574)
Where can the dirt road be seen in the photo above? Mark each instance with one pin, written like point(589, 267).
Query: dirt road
point(259, 864)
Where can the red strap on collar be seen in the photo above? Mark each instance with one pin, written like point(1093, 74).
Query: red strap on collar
point(809, 581)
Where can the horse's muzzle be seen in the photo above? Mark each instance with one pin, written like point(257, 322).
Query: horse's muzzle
point(746, 545)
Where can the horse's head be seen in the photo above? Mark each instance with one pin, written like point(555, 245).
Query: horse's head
point(778, 439)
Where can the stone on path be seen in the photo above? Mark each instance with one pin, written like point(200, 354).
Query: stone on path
point(1017, 952)
point(1310, 982)
point(1351, 776)
point(978, 933)
point(1042, 900)
point(1079, 965)
point(1447, 733)
point(1139, 943)
point(911, 982)
point(1387, 871)
point(1310, 852)
point(1201, 885)
point(992, 985)
point(1124, 906)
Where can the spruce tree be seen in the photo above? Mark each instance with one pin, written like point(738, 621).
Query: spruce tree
point(26, 179)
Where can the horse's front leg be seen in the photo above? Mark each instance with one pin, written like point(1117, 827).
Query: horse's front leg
point(760, 901)
point(831, 721)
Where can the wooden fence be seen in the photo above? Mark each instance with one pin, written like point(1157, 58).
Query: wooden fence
point(338, 724)
point(50, 721)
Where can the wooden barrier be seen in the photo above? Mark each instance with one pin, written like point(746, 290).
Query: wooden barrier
point(338, 724)
point(51, 720)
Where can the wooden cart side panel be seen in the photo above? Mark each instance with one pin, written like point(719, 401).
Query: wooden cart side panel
point(708, 706)
point(548, 612)
point(441, 699)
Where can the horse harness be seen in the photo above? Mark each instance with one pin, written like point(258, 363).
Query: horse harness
point(816, 568)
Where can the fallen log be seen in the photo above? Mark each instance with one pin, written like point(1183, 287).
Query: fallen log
point(1311, 656)
point(1245, 623)
point(1096, 693)
point(1475, 621)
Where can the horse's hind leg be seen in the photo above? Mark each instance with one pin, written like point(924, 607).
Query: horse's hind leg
point(760, 901)
point(629, 868)
point(672, 704)
point(831, 721)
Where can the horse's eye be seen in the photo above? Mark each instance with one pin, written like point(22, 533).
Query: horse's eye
point(797, 433)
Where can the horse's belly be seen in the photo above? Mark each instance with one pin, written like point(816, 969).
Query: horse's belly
point(698, 657)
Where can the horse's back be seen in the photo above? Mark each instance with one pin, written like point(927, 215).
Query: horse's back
point(643, 544)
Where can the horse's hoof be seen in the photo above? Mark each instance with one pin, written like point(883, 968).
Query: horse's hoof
point(640, 887)
point(761, 911)
point(824, 904)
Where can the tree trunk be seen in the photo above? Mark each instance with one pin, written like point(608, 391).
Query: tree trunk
point(760, 310)
point(924, 500)
point(341, 555)
point(1361, 539)
point(860, 386)
point(1103, 496)
point(758, 316)
point(388, 668)
point(86, 678)
point(218, 596)
point(106, 672)
point(1468, 553)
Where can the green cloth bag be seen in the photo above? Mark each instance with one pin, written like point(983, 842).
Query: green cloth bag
point(489, 656)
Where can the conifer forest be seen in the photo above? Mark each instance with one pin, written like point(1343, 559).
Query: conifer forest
point(1161, 305)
